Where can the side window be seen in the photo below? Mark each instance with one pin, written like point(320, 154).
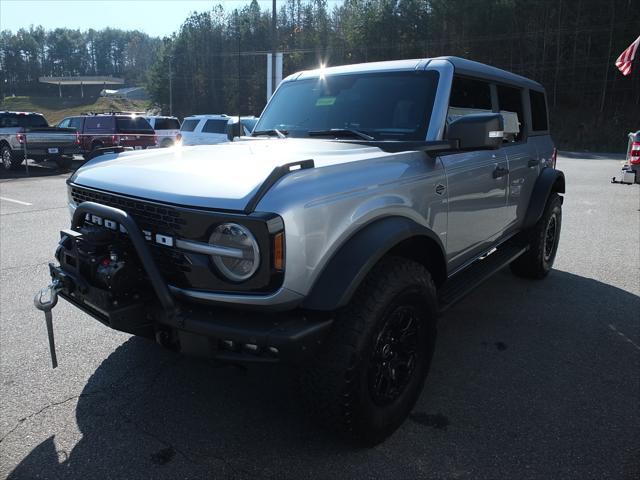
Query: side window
point(468, 96)
point(76, 122)
point(215, 126)
point(539, 117)
point(510, 105)
point(64, 123)
point(99, 123)
point(189, 125)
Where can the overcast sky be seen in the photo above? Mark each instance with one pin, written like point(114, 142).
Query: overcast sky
point(155, 17)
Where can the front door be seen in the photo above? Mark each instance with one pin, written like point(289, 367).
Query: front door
point(477, 198)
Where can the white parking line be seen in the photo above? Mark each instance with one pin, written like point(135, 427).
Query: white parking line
point(613, 327)
point(20, 202)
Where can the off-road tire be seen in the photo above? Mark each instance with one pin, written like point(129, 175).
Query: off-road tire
point(64, 163)
point(9, 159)
point(339, 386)
point(538, 260)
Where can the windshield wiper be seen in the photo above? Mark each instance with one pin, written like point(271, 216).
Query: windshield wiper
point(270, 133)
point(341, 132)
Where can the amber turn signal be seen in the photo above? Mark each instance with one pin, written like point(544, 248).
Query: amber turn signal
point(278, 251)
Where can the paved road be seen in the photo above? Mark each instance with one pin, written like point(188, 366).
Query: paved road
point(530, 379)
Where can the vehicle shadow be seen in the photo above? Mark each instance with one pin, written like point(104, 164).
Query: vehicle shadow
point(47, 168)
point(513, 349)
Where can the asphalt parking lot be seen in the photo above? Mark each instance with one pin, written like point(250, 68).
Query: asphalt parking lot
point(529, 380)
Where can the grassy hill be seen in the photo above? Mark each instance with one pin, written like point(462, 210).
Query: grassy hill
point(55, 109)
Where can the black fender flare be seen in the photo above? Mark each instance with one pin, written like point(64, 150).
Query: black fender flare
point(344, 272)
point(549, 180)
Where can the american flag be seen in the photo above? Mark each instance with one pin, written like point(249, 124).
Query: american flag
point(625, 60)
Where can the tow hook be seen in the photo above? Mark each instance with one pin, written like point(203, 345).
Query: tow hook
point(41, 303)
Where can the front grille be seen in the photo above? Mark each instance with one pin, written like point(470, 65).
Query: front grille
point(187, 269)
point(160, 218)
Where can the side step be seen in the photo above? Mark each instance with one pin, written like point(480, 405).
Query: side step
point(471, 277)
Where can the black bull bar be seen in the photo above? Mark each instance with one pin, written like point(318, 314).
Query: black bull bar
point(203, 330)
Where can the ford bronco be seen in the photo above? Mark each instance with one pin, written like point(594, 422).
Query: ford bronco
point(368, 199)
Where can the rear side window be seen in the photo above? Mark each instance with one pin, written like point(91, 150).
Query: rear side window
point(539, 117)
point(215, 126)
point(167, 124)
point(64, 123)
point(99, 123)
point(189, 125)
point(132, 124)
point(510, 105)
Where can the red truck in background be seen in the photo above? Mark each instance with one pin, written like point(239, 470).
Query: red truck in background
point(111, 130)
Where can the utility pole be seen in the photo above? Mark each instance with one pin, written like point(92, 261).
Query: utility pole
point(274, 44)
point(239, 89)
point(170, 89)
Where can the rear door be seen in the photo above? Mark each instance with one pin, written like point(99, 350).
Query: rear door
point(476, 182)
point(522, 156)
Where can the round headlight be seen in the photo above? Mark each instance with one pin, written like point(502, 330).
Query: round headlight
point(239, 256)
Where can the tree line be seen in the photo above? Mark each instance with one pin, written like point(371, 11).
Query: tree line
point(216, 61)
point(35, 52)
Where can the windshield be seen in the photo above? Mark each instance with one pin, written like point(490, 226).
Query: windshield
point(387, 106)
point(249, 123)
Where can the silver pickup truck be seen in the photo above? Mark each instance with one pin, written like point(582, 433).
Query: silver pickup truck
point(29, 134)
point(368, 200)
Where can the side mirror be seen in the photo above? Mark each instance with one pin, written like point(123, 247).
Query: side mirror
point(477, 131)
point(233, 130)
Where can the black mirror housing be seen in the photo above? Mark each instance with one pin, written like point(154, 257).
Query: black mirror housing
point(234, 130)
point(477, 131)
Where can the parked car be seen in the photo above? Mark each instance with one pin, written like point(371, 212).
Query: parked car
point(167, 130)
point(630, 172)
point(30, 132)
point(212, 129)
point(111, 130)
point(331, 239)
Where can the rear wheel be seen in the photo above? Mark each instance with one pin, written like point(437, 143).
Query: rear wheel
point(10, 161)
point(64, 163)
point(372, 368)
point(543, 241)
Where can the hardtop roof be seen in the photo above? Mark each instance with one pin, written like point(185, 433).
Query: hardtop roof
point(462, 66)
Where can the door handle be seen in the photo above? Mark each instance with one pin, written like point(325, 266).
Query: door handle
point(500, 172)
point(533, 162)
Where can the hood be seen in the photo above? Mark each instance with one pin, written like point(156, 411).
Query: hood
point(224, 176)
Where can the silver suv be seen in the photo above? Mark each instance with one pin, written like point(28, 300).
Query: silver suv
point(368, 199)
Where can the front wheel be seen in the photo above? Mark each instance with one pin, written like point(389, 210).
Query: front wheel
point(372, 368)
point(543, 242)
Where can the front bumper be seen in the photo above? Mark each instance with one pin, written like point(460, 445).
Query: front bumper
point(222, 333)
